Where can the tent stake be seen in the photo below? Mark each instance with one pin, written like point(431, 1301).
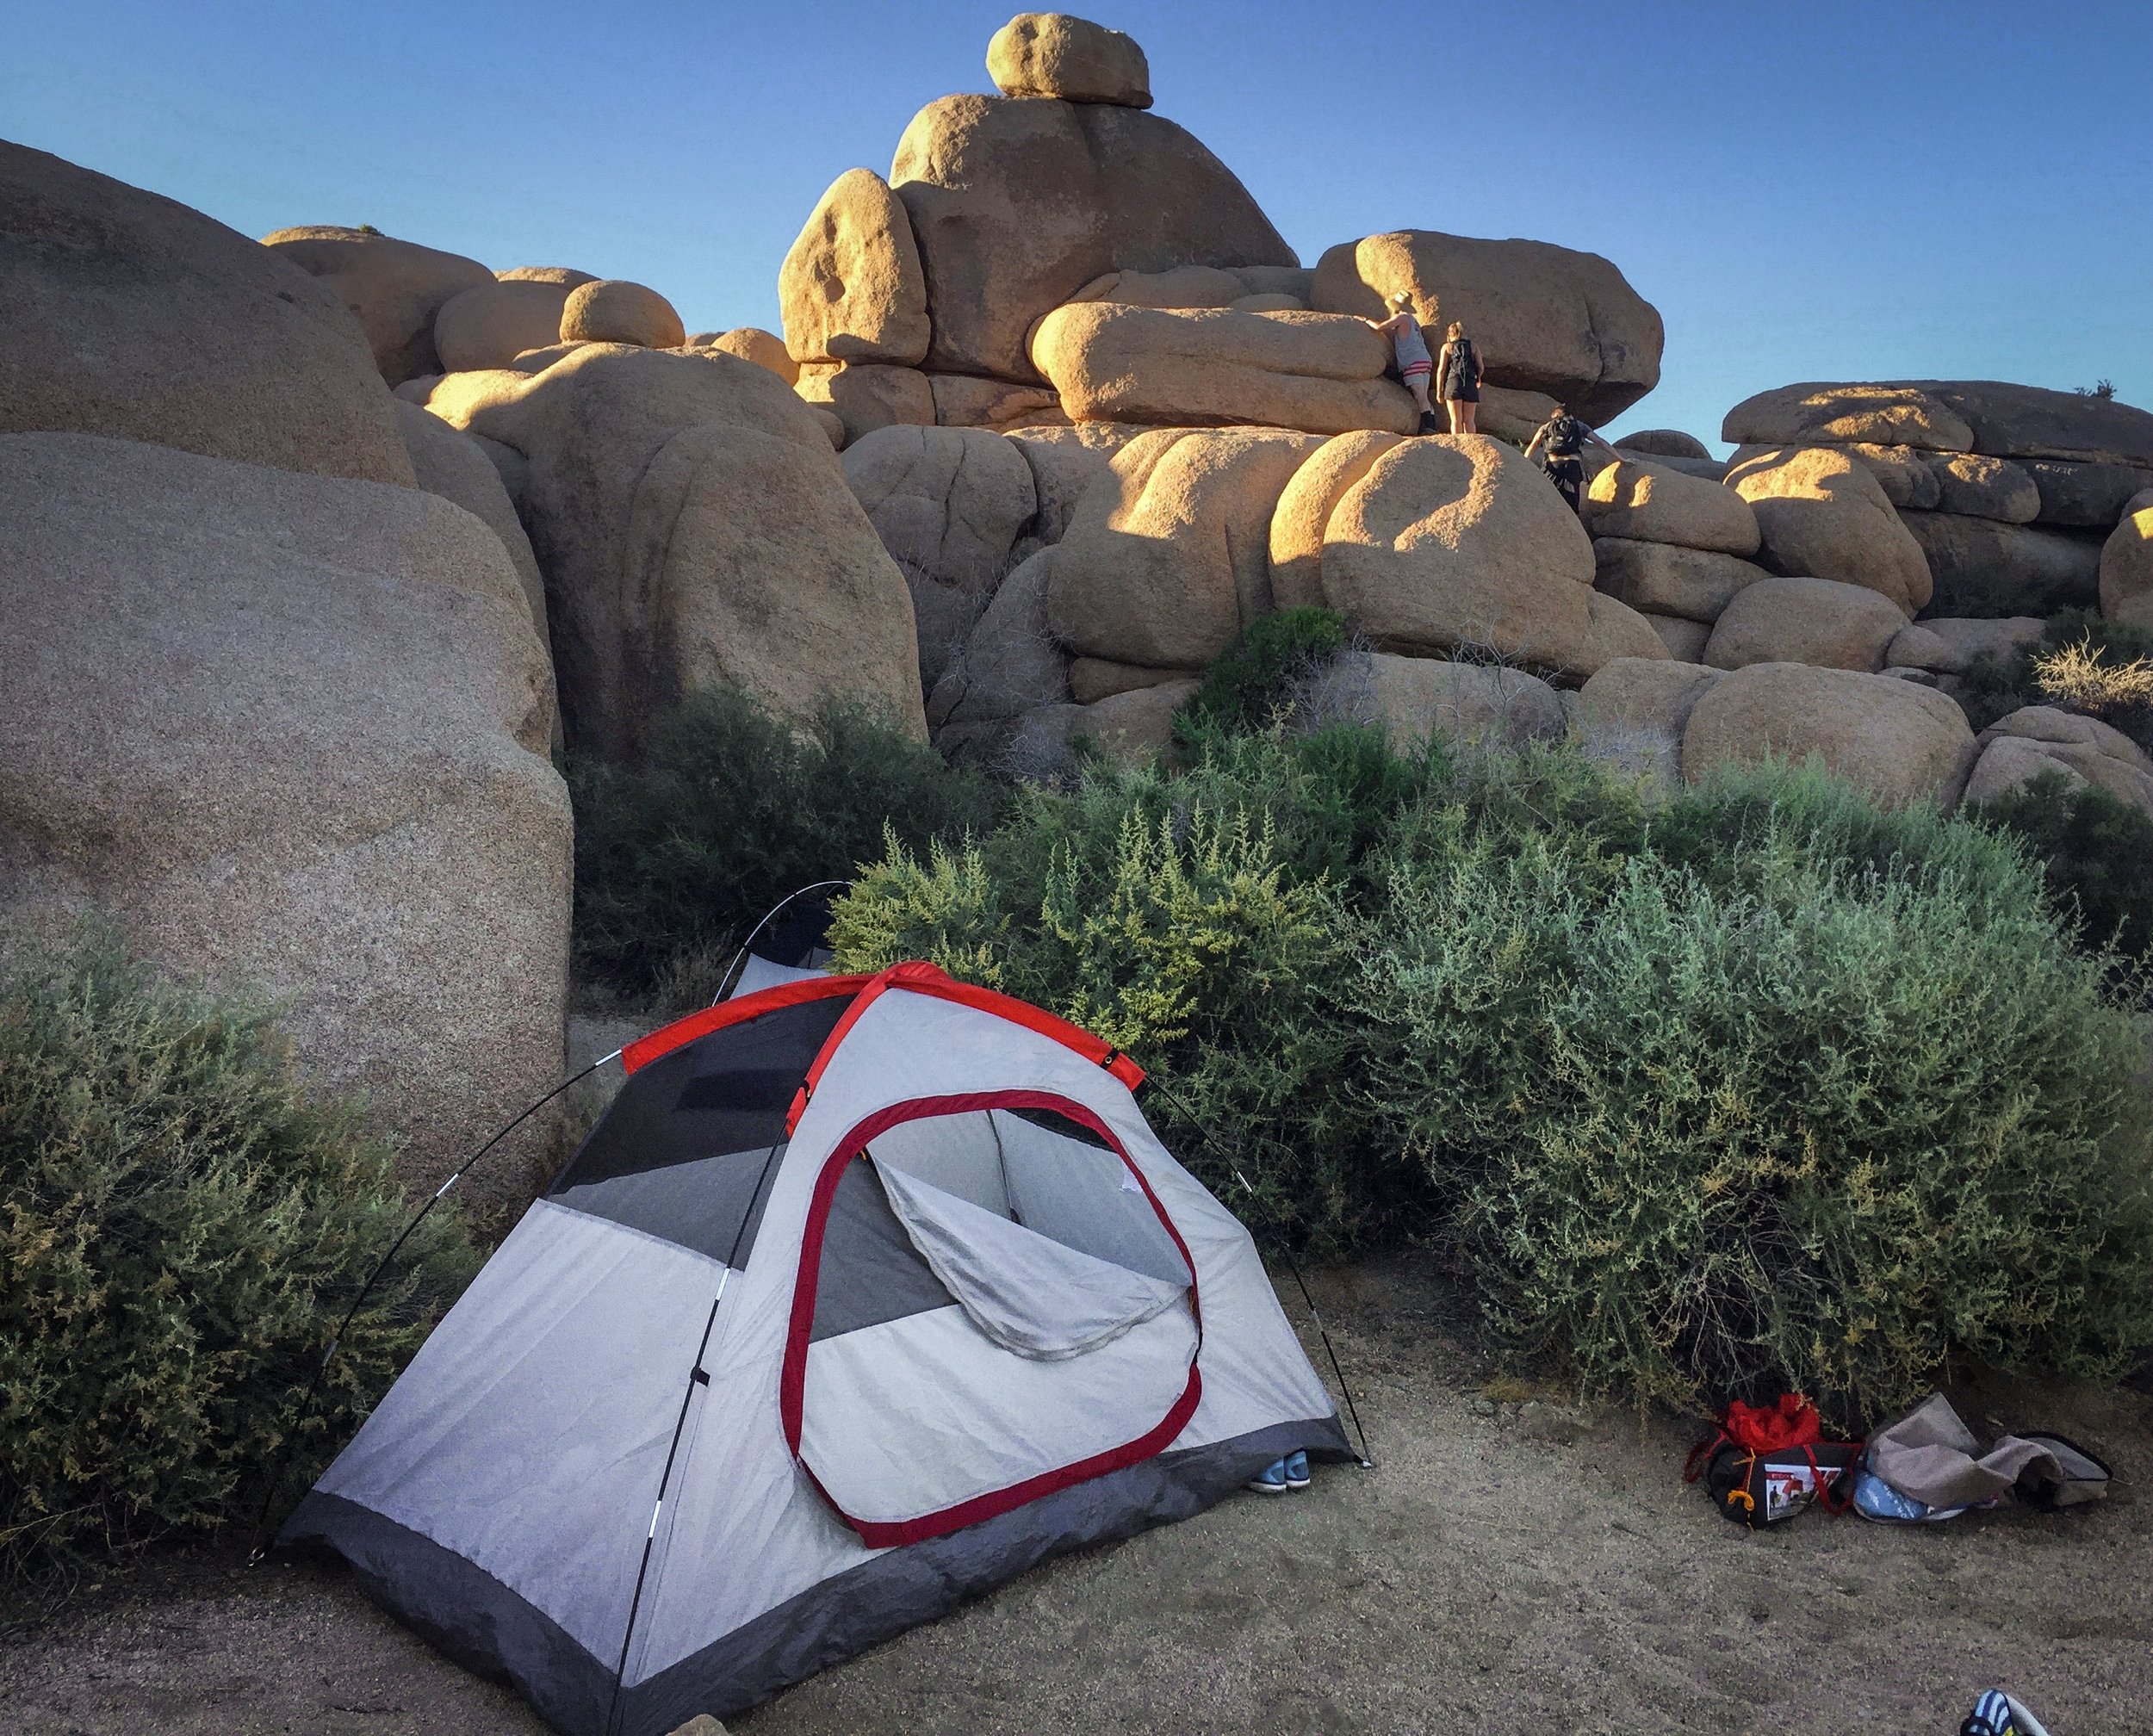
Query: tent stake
point(260, 1549)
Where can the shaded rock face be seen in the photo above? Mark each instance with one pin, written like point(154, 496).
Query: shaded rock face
point(1010, 663)
point(1414, 697)
point(1948, 645)
point(451, 464)
point(1167, 557)
point(1633, 712)
point(2036, 739)
point(491, 325)
point(868, 395)
point(2041, 570)
point(1815, 620)
point(1660, 578)
point(2085, 496)
point(130, 315)
point(1899, 742)
point(1016, 203)
point(1822, 515)
point(1112, 361)
point(851, 289)
point(318, 769)
point(1985, 416)
point(1663, 442)
point(1053, 54)
point(694, 527)
point(1545, 318)
point(948, 505)
point(1131, 727)
point(394, 288)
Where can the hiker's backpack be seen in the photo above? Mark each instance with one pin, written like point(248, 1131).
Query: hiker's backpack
point(1763, 1465)
point(1462, 372)
point(1565, 437)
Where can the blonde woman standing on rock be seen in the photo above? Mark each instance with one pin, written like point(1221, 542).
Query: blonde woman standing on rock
point(1414, 365)
point(1459, 369)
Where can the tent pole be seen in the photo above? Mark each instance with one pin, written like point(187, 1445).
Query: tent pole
point(1366, 1460)
point(306, 1404)
point(725, 983)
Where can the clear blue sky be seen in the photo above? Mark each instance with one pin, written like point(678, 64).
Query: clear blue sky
point(1815, 191)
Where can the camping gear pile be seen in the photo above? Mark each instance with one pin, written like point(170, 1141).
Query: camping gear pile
point(865, 1295)
point(1762, 1465)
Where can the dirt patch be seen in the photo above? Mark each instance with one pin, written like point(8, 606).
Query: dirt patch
point(1514, 1564)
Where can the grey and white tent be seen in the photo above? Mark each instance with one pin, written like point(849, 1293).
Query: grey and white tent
point(867, 1293)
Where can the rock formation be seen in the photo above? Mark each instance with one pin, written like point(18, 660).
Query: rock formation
point(128, 315)
point(394, 288)
point(291, 732)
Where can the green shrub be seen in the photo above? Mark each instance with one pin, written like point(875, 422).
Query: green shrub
point(677, 859)
point(1193, 921)
point(1247, 682)
point(1825, 1101)
point(181, 1226)
point(2093, 848)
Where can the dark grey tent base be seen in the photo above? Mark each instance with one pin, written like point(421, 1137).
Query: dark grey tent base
point(460, 1608)
point(489, 1629)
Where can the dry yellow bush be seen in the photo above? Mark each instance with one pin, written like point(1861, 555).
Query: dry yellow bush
point(2077, 676)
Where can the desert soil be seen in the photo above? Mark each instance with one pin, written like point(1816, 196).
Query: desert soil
point(1512, 1565)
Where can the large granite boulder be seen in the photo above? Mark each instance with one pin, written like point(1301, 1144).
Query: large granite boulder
point(1303, 515)
point(851, 290)
point(130, 315)
point(394, 288)
point(1947, 645)
point(1661, 578)
point(1112, 361)
point(1899, 742)
point(491, 325)
point(948, 505)
point(2017, 749)
point(1454, 542)
point(2082, 495)
point(1018, 203)
point(1052, 54)
point(2127, 565)
point(1985, 416)
point(694, 527)
point(1168, 556)
point(290, 732)
point(1816, 621)
point(1545, 318)
point(449, 462)
point(1649, 503)
point(1132, 726)
point(751, 344)
point(1665, 442)
point(1823, 515)
point(2038, 570)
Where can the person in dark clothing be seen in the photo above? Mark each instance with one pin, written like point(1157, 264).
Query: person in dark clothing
point(1458, 374)
point(1559, 446)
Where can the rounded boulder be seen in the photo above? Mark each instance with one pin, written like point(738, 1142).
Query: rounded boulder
point(1821, 514)
point(394, 288)
point(614, 311)
point(1815, 621)
point(1052, 54)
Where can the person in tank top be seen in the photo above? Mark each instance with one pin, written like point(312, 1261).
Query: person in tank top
point(1459, 369)
point(1415, 365)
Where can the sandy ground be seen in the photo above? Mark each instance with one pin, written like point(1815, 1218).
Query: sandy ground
point(1508, 1567)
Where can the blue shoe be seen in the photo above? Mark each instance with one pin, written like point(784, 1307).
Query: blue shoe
point(1297, 1470)
point(1272, 1480)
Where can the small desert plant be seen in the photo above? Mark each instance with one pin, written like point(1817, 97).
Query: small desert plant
point(2081, 677)
point(1247, 683)
point(181, 1225)
point(2103, 389)
point(678, 857)
point(2098, 665)
point(2093, 848)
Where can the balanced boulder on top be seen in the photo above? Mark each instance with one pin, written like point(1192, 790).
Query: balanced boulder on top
point(851, 287)
point(1052, 54)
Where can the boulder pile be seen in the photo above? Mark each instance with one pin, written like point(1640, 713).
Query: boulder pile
point(321, 545)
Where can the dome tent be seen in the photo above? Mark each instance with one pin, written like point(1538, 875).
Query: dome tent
point(865, 1295)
